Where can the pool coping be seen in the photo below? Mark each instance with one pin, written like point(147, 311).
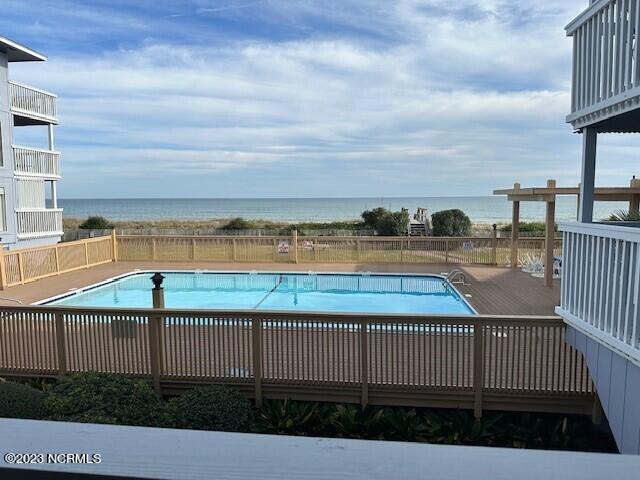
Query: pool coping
point(75, 291)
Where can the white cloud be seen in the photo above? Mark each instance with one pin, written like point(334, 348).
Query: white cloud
point(467, 97)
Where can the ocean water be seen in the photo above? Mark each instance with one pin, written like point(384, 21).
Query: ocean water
point(281, 291)
point(487, 209)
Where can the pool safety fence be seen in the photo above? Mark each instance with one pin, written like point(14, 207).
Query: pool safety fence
point(18, 267)
point(473, 362)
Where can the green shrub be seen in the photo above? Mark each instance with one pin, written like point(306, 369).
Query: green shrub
point(538, 227)
point(292, 418)
point(210, 408)
point(451, 223)
point(96, 223)
point(385, 222)
point(103, 398)
point(238, 224)
point(372, 217)
point(20, 401)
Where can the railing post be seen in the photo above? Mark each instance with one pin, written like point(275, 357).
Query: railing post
point(61, 346)
point(364, 362)
point(256, 336)
point(3, 272)
point(193, 248)
point(478, 367)
point(358, 249)
point(114, 245)
point(153, 249)
point(446, 250)
point(57, 256)
point(401, 251)
point(21, 268)
point(86, 254)
point(494, 245)
point(294, 241)
point(235, 255)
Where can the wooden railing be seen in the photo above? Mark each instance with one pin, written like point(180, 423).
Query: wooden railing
point(33, 102)
point(18, 267)
point(308, 249)
point(601, 284)
point(476, 362)
point(39, 222)
point(33, 161)
point(606, 71)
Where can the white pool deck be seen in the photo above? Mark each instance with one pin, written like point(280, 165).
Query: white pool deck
point(137, 452)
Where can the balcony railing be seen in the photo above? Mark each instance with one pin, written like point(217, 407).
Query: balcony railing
point(36, 162)
point(601, 284)
point(35, 223)
point(33, 103)
point(606, 70)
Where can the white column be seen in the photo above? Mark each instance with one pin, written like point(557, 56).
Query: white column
point(54, 194)
point(589, 143)
point(51, 141)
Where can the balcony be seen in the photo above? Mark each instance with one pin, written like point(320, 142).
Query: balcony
point(600, 294)
point(37, 223)
point(606, 70)
point(32, 106)
point(36, 162)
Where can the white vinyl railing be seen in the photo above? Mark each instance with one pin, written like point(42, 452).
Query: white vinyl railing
point(37, 162)
point(606, 70)
point(34, 223)
point(33, 102)
point(601, 284)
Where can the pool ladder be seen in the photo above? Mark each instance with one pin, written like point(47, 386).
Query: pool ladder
point(457, 274)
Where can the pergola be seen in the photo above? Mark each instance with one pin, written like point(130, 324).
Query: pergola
point(548, 194)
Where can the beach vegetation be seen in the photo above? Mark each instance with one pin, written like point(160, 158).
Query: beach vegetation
point(96, 223)
point(451, 223)
point(386, 222)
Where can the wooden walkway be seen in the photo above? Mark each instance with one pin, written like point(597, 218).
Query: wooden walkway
point(493, 290)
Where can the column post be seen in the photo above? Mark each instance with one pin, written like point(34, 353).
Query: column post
point(364, 362)
point(515, 229)
point(256, 336)
point(587, 183)
point(550, 235)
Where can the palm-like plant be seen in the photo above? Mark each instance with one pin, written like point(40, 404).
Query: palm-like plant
point(624, 216)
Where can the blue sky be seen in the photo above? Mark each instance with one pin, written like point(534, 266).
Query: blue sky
point(278, 98)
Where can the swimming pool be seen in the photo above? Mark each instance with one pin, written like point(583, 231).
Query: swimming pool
point(308, 292)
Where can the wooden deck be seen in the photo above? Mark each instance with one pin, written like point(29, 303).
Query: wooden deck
point(492, 290)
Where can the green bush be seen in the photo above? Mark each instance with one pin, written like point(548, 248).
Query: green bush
point(385, 222)
point(451, 223)
point(96, 223)
point(20, 401)
point(527, 227)
point(103, 398)
point(372, 217)
point(238, 224)
point(210, 408)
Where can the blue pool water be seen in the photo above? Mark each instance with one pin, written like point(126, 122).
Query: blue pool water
point(280, 291)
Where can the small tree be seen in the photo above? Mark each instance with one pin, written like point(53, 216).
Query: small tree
point(451, 223)
point(96, 223)
point(372, 217)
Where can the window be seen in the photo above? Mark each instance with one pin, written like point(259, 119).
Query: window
point(3, 211)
